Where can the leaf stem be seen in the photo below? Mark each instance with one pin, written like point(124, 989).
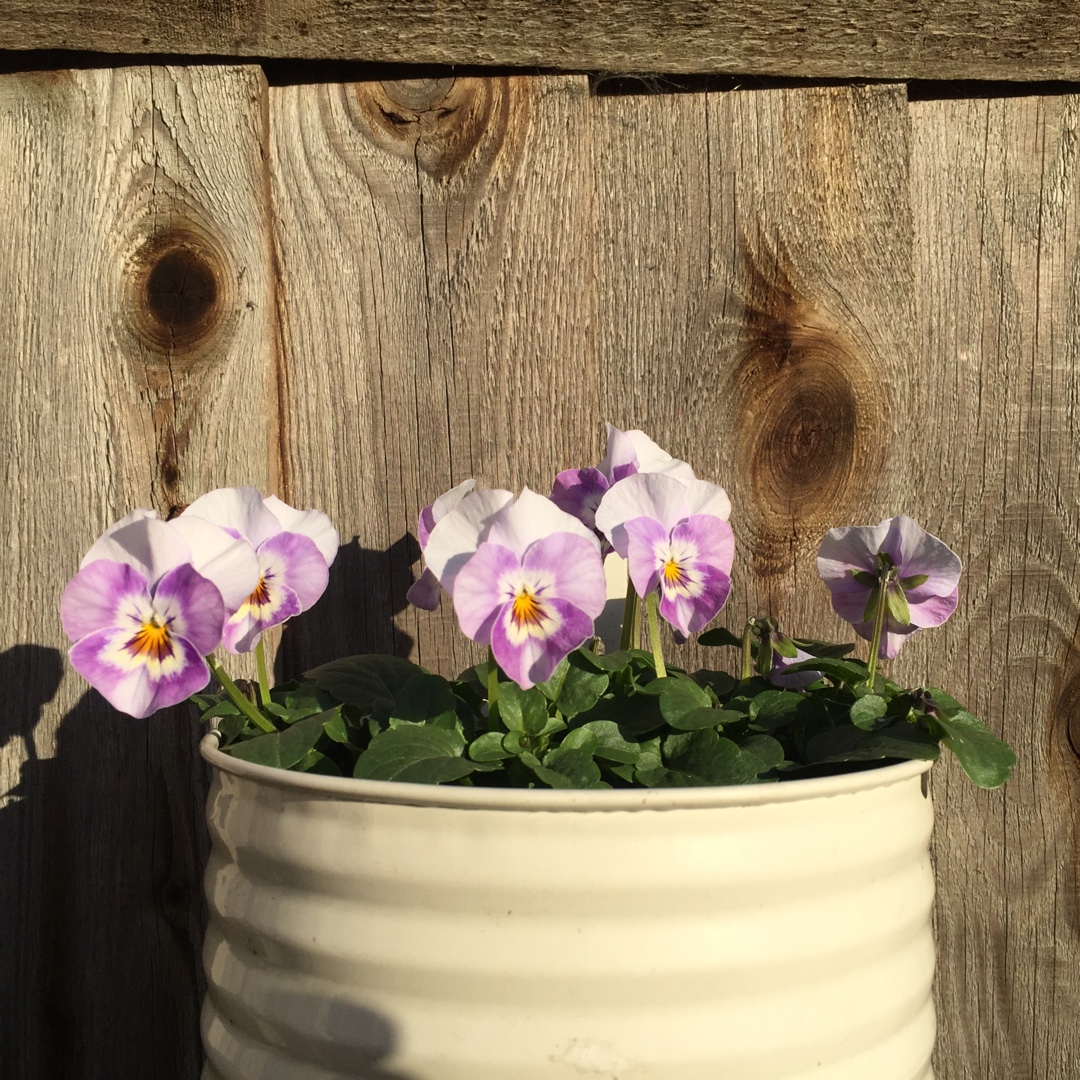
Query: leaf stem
point(653, 617)
point(238, 699)
point(264, 681)
point(493, 692)
point(875, 641)
point(746, 669)
point(631, 617)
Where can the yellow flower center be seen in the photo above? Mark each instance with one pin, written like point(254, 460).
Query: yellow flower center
point(261, 595)
point(151, 642)
point(673, 572)
point(526, 610)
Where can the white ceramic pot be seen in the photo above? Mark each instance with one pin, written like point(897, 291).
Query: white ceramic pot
point(363, 929)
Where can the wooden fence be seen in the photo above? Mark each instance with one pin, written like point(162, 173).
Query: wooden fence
point(836, 301)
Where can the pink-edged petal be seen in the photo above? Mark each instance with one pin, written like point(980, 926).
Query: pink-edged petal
point(295, 561)
point(224, 558)
point(425, 592)
point(483, 585)
point(313, 524)
point(191, 607)
point(711, 537)
point(690, 605)
point(271, 604)
point(150, 545)
point(630, 452)
point(849, 599)
point(431, 515)
point(850, 547)
point(644, 536)
point(456, 537)
point(930, 611)
point(571, 569)
point(649, 495)
point(529, 655)
point(241, 509)
point(532, 517)
point(578, 492)
point(101, 595)
point(915, 551)
point(134, 684)
point(892, 637)
point(795, 680)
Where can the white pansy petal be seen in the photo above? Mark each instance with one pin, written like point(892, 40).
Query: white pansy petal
point(148, 544)
point(238, 508)
point(313, 524)
point(533, 517)
point(705, 498)
point(651, 495)
point(226, 560)
point(850, 547)
point(456, 537)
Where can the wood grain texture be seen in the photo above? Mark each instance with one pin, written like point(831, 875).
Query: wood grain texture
point(435, 311)
point(996, 195)
point(754, 291)
point(925, 39)
point(138, 365)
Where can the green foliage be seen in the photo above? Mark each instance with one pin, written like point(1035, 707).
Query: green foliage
point(607, 721)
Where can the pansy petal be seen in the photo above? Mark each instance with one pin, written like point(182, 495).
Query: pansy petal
point(705, 498)
point(425, 591)
point(272, 603)
point(152, 546)
point(191, 607)
point(480, 589)
point(711, 537)
point(892, 637)
point(224, 558)
point(241, 509)
point(455, 538)
point(690, 605)
point(630, 452)
point(850, 547)
point(295, 561)
point(648, 495)
point(915, 551)
point(532, 517)
point(530, 655)
point(572, 568)
point(578, 492)
point(643, 536)
point(132, 683)
point(431, 515)
point(795, 680)
point(95, 598)
point(313, 524)
point(930, 611)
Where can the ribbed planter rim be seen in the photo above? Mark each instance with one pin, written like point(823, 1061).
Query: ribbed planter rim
point(476, 798)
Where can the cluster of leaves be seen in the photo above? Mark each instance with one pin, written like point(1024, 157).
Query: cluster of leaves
point(603, 721)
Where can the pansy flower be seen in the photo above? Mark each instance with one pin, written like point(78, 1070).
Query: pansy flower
point(425, 591)
point(579, 491)
point(294, 549)
point(532, 589)
point(143, 619)
point(675, 536)
point(896, 563)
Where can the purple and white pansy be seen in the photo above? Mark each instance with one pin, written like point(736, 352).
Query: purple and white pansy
point(426, 590)
point(896, 563)
point(580, 491)
point(532, 588)
point(142, 617)
point(675, 536)
point(294, 550)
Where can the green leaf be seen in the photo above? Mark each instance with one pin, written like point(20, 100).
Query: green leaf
point(609, 742)
point(985, 758)
point(303, 699)
point(773, 708)
point(679, 697)
point(846, 672)
point(696, 719)
point(282, 749)
point(576, 764)
point(913, 581)
point(720, 682)
point(220, 708)
point(553, 687)
point(720, 635)
point(768, 752)
point(866, 578)
point(489, 747)
point(524, 711)
point(335, 727)
point(898, 605)
point(901, 740)
point(763, 659)
point(822, 648)
point(712, 757)
point(945, 702)
point(423, 700)
point(867, 711)
point(414, 753)
point(365, 681)
point(785, 646)
point(314, 762)
point(230, 727)
point(580, 739)
point(581, 689)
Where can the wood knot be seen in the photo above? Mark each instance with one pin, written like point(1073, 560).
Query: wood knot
point(809, 405)
point(178, 291)
point(1066, 702)
point(439, 123)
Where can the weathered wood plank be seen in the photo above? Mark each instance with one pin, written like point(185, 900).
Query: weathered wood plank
point(996, 193)
point(754, 297)
point(1003, 39)
point(435, 313)
point(138, 366)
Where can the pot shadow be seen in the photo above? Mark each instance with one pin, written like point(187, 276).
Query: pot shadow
point(356, 613)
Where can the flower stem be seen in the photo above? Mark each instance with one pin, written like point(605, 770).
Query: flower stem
point(264, 681)
point(875, 641)
point(630, 618)
point(493, 692)
point(651, 604)
point(747, 668)
point(238, 699)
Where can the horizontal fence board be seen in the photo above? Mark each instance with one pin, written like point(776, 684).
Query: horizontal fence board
point(138, 356)
point(925, 39)
point(996, 196)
